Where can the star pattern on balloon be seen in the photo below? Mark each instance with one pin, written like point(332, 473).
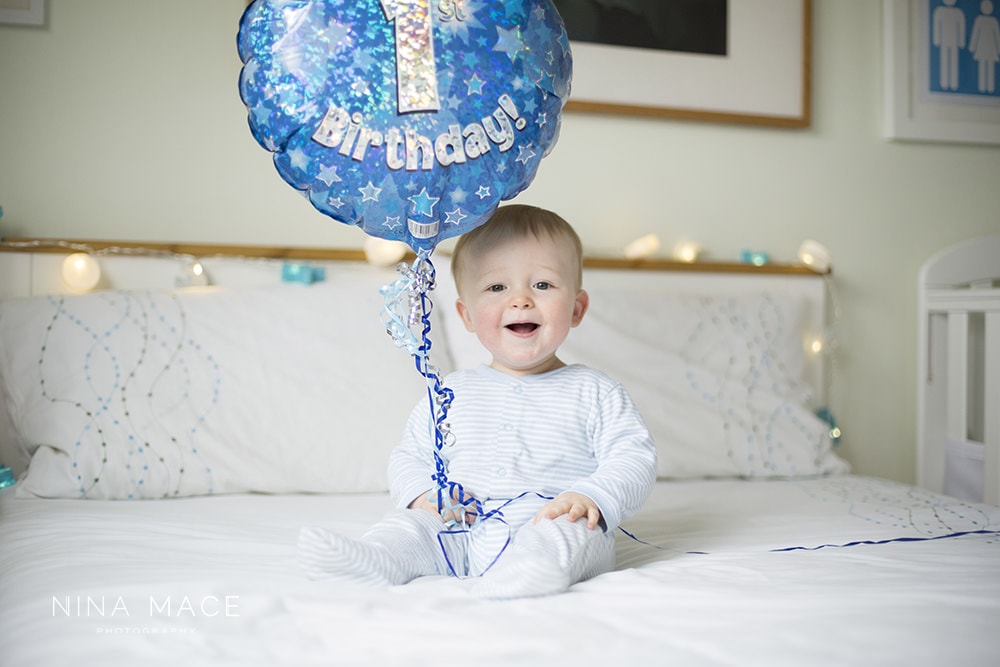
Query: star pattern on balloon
point(509, 42)
point(423, 204)
point(370, 192)
point(475, 85)
point(329, 175)
point(454, 217)
point(525, 153)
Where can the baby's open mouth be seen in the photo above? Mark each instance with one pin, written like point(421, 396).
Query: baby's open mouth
point(522, 327)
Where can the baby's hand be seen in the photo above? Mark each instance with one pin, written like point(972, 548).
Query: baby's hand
point(427, 501)
point(574, 506)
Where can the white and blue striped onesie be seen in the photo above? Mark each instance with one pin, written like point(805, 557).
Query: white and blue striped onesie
point(572, 429)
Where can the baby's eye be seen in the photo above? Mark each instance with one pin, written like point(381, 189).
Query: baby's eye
point(543, 285)
point(495, 288)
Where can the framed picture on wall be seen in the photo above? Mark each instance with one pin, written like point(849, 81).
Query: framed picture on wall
point(26, 12)
point(940, 70)
point(716, 60)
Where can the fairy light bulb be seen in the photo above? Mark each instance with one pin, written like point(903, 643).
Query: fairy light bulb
point(383, 252)
point(687, 251)
point(644, 246)
point(817, 345)
point(824, 342)
point(80, 273)
point(815, 255)
point(192, 275)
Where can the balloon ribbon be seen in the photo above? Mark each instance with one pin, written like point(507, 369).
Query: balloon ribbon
point(407, 319)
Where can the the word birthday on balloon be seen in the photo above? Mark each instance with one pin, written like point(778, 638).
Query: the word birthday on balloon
point(406, 149)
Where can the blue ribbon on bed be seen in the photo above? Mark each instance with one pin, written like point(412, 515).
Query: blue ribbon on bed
point(856, 543)
point(891, 540)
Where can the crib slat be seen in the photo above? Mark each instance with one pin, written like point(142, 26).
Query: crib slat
point(991, 410)
point(956, 419)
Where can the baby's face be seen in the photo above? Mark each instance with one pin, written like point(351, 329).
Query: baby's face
point(521, 299)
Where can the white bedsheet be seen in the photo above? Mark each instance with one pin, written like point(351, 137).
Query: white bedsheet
point(839, 571)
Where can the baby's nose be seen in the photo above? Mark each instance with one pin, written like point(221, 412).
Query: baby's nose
point(521, 301)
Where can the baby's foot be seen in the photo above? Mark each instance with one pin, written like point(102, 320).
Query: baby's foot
point(327, 555)
point(520, 574)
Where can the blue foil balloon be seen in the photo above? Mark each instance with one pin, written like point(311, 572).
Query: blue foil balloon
point(412, 119)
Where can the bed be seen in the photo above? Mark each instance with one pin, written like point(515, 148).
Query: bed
point(179, 438)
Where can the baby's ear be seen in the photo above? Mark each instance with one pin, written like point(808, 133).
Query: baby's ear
point(580, 307)
point(466, 316)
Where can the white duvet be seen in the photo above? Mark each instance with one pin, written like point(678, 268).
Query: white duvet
point(837, 571)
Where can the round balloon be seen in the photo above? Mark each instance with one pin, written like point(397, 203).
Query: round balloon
point(412, 119)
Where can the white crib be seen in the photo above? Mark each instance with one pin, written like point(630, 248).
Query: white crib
point(958, 411)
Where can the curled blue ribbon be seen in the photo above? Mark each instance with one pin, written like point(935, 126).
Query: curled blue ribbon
point(407, 318)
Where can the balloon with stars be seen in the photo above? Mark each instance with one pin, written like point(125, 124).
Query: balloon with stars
point(412, 119)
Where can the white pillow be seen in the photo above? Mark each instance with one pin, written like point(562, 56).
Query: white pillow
point(189, 392)
point(719, 379)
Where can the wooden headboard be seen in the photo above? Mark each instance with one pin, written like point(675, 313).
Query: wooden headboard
point(29, 266)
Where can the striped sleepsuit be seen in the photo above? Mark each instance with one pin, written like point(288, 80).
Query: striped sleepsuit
point(519, 441)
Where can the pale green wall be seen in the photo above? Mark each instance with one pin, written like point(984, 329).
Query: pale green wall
point(121, 120)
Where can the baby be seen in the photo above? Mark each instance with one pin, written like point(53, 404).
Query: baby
point(551, 457)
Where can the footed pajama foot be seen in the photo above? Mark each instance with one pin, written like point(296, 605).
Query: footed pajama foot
point(327, 555)
point(520, 575)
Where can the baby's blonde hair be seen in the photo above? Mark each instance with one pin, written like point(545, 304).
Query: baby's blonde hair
point(516, 222)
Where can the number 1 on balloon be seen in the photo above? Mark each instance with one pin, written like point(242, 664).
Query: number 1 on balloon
point(416, 71)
